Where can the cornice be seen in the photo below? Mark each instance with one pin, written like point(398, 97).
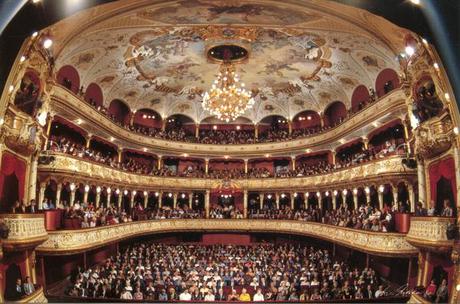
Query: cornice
point(72, 169)
point(382, 244)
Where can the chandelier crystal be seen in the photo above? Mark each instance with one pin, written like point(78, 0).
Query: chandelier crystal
point(227, 99)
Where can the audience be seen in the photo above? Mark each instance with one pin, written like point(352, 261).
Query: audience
point(195, 272)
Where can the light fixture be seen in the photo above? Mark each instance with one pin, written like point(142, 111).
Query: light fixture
point(226, 156)
point(22, 59)
point(214, 127)
point(185, 155)
point(170, 194)
point(35, 1)
point(355, 191)
point(367, 190)
point(457, 287)
point(375, 124)
point(308, 150)
point(2, 121)
point(327, 193)
point(456, 131)
point(436, 66)
point(267, 155)
point(308, 117)
point(345, 192)
point(112, 139)
point(318, 194)
point(11, 88)
point(79, 121)
point(47, 43)
point(238, 127)
point(335, 192)
point(182, 195)
point(109, 190)
point(227, 98)
point(125, 192)
point(283, 195)
point(98, 189)
point(269, 196)
point(447, 96)
point(117, 191)
point(381, 188)
point(34, 34)
point(72, 187)
point(157, 194)
point(144, 149)
point(295, 194)
point(416, 2)
point(145, 193)
point(409, 50)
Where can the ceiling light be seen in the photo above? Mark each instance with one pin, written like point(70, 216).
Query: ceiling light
point(416, 2)
point(182, 195)
point(318, 194)
point(22, 59)
point(238, 127)
point(295, 194)
point(145, 193)
point(117, 191)
point(47, 43)
point(72, 187)
point(157, 194)
point(409, 50)
point(98, 189)
point(283, 195)
point(125, 192)
point(375, 124)
point(327, 193)
point(134, 192)
point(79, 121)
point(436, 66)
point(11, 88)
point(367, 190)
point(145, 149)
point(35, 1)
point(269, 196)
point(382, 188)
point(308, 150)
point(355, 191)
point(456, 131)
point(214, 127)
point(226, 157)
point(447, 96)
point(34, 34)
point(2, 121)
point(308, 117)
point(185, 155)
point(345, 192)
point(267, 155)
point(424, 41)
point(227, 99)
point(335, 192)
point(109, 190)
point(342, 141)
point(112, 139)
point(170, 194)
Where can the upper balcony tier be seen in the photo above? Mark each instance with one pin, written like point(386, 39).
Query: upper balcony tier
point(72, 169)
point(71, 107)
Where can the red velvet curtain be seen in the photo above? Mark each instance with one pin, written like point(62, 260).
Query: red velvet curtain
point(444, 168)
point(12, 165)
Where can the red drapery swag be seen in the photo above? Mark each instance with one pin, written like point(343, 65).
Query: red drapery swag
point(12, 165)
point(444, 168)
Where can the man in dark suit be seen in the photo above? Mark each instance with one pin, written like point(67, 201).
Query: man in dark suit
point(32, 208)
point(18, 291)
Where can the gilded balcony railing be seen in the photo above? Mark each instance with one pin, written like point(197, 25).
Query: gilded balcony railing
point(430, 233)
point(71, 241)
point(25, 230)
point(73, 169)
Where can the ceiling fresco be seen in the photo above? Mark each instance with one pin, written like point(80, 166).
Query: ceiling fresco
point(291, 66)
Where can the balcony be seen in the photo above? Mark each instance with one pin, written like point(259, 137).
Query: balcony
point(71, 107)
point(26, 231)
point(72, 169)
point(73, 241)
point(36, 297)
point(429, 233)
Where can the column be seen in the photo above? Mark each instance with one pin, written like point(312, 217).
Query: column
point(289, 127)
point(457, 170)
point(85, 195)
point(245, 204)
point(261, 201)
point(256, 131)
point(109, 194)
point(160, 200)
point(355, 198)
point(293, 162)
point(58, 194)
point(292, 201)
point(321, 119)
point(333, 154)
point(366, 143)
point(334, 199)
point(131, 119)
point(146, 199)
point(277, 200)
point(422, 181)
point(197, 130)
point(131, 199)
point(163, 125)
point(380, 191)
point(246, 166)
point(88, 140)
point(190, 200)
point(406, 135)
point(159, 163)
point(175, 200)
point(33, 178)
point(48, 129)
point(207, 202)
point(367, 190)
point(206, 165)
point(305, 199)
point(344, 198)
point(41, 195)
point(320, 202)
point(98, 196)
point(73, 188)
point(395, 194)
point(120, 199)
point(120, 154)
point(410, 189)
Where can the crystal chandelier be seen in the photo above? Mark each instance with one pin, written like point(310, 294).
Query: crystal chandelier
point(227, 99)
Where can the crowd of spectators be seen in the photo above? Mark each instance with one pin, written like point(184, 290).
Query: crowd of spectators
point(195, 272)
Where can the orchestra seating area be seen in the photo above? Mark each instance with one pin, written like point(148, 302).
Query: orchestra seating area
point(227, 151)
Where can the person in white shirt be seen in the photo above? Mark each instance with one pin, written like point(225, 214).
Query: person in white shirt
point(258, 297)
point(209, 297)
point(380, 292)
point(185, 296)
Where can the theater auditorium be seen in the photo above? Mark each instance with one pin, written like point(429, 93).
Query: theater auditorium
point(229, 151)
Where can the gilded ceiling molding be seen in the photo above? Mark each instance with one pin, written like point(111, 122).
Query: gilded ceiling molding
point(382, 244)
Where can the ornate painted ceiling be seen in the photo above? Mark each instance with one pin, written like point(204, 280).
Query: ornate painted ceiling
point(152, 54)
